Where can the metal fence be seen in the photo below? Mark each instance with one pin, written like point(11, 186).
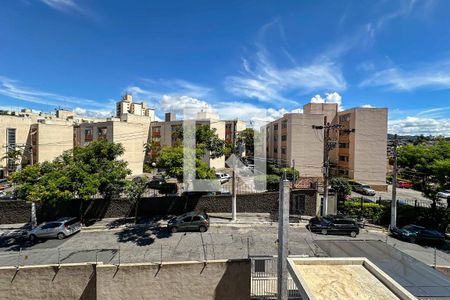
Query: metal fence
point(264, 279)
point(408, 202)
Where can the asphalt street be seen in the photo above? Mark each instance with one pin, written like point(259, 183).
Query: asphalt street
point(127, 245)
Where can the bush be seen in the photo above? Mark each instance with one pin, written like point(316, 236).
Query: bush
point(373, 211)
point(273, 182)
point(273, 170)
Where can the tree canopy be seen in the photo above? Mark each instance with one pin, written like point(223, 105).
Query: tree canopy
point(171, 160)
point(341, 186)
point(427, 161)
point(206, 139)
point(78, 173)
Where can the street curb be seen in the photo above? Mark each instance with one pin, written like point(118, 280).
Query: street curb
point(213, 225)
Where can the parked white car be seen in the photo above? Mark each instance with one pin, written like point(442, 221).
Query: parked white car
point(222, 177)
point(444, 194)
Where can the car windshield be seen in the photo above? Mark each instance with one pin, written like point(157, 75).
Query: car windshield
point(366, 186)
point(412, 228)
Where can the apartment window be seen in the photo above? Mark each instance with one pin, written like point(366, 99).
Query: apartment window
point(156, 129)
point(283, 138)
point(275, 150)
point(11, 135)
point(11, 142)
point(228, 126)
point(275, 138)
point(344, 118)
point(344, 145)
point(175, 128)
point(343, 172)
point(284, 125)
point(343, 158)
point(275, 127)
point(156, 139)
point(283, 150)
point(102, 132)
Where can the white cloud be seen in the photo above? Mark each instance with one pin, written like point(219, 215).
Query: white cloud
point(11, 88)
point(100, 114)
point(62, 5)
point(434, 76)
point(329, 98)
point(419, 125)
point(183, 105)
point(367, 106)
point(267, 82)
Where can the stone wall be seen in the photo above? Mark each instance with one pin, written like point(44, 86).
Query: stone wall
point(18, 211)
point(14, 211)
point(221, 279)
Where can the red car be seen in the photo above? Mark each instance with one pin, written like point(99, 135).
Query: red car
point(404, 185)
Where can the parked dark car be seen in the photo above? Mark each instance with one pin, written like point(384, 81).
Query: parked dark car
point(418, 234)
point(191, 221)
point(334, 225)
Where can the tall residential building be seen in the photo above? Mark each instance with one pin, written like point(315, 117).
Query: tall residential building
point(126, 106)
point(359, 155)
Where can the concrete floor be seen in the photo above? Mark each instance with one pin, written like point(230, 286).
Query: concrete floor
point(153, 245)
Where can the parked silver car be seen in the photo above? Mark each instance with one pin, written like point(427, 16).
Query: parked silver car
point(59, 229)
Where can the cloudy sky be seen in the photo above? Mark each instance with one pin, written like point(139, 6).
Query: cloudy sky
point(243, 59)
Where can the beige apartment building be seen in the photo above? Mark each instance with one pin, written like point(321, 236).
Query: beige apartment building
point(130, 127)
point(162, 133)
point(39, 137)
point(132, 136)
point(359, 155)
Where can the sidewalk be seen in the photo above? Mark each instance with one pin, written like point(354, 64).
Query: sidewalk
point(216, 220)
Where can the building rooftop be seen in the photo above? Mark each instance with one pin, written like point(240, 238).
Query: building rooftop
point(343, 278)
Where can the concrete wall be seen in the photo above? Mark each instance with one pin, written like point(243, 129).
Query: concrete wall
point(52, 140)
point(71, 281)
point(190, 280)
point(223, 279)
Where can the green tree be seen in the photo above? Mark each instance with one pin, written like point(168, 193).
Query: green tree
point(135, 189)
point(247, 136)
point(441, 171)
point(171, 160)
point(427, 162)
point(341, 186)
point(206, 139)
point(79, 173)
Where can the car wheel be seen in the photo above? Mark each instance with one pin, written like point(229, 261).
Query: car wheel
point(353, 234)
point(32, 238)
point(202, 228)
point(412, 240)
point(324, 231)
point(61, 236)
point(174, 229)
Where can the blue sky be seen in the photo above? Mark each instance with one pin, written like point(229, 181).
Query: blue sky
point(243, 59)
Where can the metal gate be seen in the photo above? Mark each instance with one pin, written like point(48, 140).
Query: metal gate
point(264, 279)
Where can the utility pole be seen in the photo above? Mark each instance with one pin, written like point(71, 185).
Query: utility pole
point(394, 187)
point(328, 145)
point(283, 230)
point(233, 184)
point(293, 172)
